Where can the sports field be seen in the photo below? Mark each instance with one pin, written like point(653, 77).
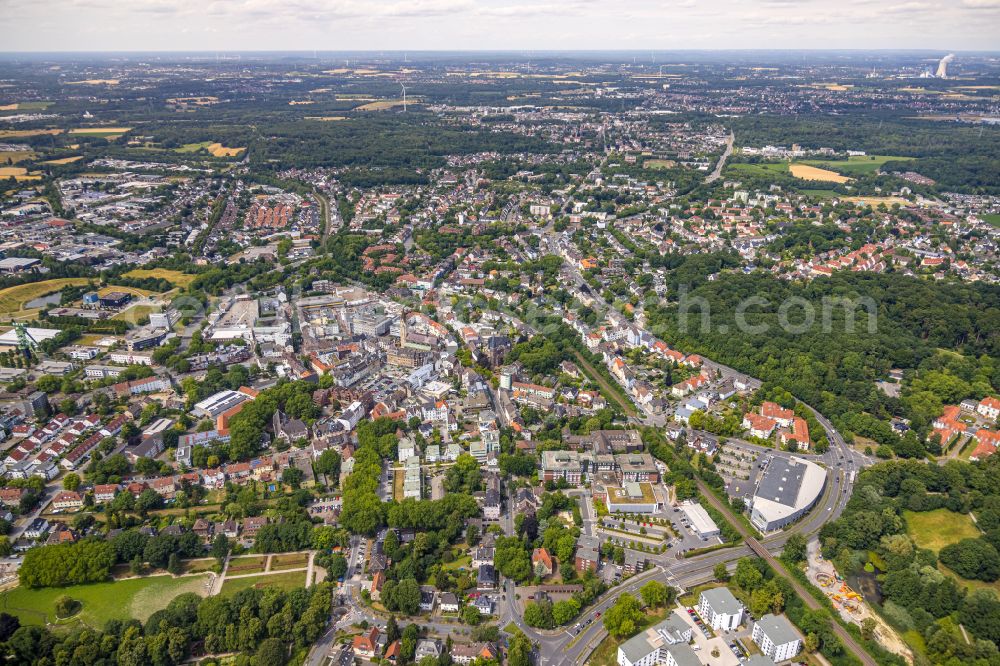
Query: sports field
point(123, 599)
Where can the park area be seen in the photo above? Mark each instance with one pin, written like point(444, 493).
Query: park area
point(124, 599)
point(936, 529)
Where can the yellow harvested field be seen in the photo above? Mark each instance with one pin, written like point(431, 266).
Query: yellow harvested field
point(326, 119)
point(806, 172)
point(135, 291)
point(99, 130)
point(65, 160)
point(24, 134)
point(175, 277)
point(20, 174)
point(218, 150)
point(9, 107)
point(300, 102)
point(95, 82)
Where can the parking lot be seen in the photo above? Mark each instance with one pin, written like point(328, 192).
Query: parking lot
point(688, 539)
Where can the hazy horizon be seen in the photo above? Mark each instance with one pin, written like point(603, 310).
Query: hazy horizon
point(106, 26)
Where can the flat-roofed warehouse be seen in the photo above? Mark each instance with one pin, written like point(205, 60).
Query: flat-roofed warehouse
point(787, 490)
point(701, 522)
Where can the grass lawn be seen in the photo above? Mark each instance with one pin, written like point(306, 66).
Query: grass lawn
point(691, 598)
point(936, 529)
point(991, 218)
point(246, 565)
point(289, 561)
point(606, 653)
point(465, 561)
point(285, 581)
point(135, 291)
point(124, 599)
point(197, 566)
point(176, 278)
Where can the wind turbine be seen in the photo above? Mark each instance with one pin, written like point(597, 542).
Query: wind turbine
point(404, 96)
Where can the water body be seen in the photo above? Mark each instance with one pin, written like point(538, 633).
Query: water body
point(43, 301)
point(867, 585)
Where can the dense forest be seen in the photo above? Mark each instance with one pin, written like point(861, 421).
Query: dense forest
point(835, 370)
point(919, 598)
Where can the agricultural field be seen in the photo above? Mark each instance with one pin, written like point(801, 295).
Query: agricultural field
point(805, 172)
point(17, 173)
point(24, 134)
point(936, 529)
point(9, 157)
point(288, 580)
point(856, 165)
point(124, 599)
point(763, 169)
point(326, 119)
point(65, 160)
point(213, 148)
point(104, 132)
point(991, 218)
point(12, 299)
point(26, 106)
point(177, 278)
point(381, 105)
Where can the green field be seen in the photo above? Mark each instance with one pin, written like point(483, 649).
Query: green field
point(246, 565)
point(289, 580)
point(991, 218)
point(289, 561)
point(193, 147)
point(124, 599)
point(936, 529)
point(762, 170)
point(859, 165)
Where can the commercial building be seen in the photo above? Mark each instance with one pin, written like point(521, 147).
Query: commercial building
point(701, 522)
point(786, 491)
point(633, 497)
point(776, 637)
point(719, 609)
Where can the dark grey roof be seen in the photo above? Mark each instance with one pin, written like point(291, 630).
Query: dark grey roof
point(781, 481)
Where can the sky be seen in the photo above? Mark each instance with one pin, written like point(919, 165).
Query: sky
point(335, 25)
